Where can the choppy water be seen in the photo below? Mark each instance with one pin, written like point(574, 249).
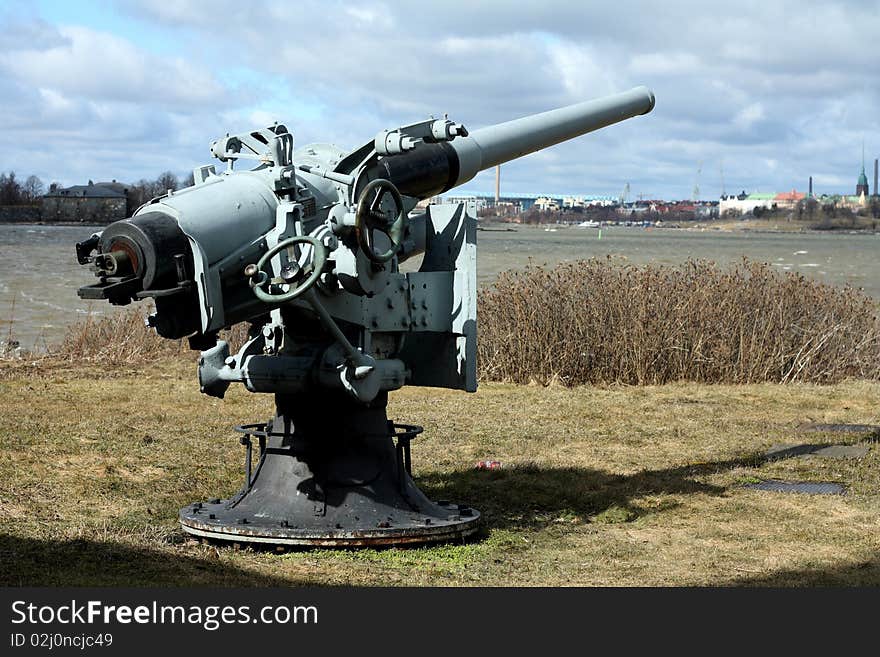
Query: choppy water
point(38, 268)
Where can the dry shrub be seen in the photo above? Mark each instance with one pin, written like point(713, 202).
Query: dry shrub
point(598, 321)
point(120, 337)
point(123, 337)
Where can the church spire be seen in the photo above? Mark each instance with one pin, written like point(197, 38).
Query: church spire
point(862, 184)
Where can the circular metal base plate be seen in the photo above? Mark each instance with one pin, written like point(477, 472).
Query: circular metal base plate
point(402, 528)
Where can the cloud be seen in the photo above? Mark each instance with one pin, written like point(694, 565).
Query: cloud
point(660, 63)
point(89, 64)
point(31, 35)
point(744, 84)
point(748, 116)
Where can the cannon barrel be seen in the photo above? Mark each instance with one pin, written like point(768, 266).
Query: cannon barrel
point(493, 145)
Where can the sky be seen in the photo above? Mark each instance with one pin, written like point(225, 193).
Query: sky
point(754, 96)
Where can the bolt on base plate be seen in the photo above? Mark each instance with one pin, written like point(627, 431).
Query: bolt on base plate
point(415, 529)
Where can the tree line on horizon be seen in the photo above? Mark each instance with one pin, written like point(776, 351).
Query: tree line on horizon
point(144, 190)
point(14, 191)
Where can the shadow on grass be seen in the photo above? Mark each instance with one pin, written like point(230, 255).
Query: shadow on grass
point(36, 562)
point(531, 496)
point(864, 573)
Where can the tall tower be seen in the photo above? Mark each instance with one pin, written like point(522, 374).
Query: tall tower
point(876, 191)
point(862, 185)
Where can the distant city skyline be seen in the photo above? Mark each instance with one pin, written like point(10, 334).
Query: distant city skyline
point(745, 94)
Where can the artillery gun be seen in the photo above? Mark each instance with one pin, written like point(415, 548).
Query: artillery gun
point(306, 245)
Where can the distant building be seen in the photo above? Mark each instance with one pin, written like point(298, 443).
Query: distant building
point(639, 207)
point(545, 203)
point(479, 203)
point(122, 188)
point(862, 184)
point(860, 200)
point(100, 203)
point(745, 203)
point(507, 208)
point(854, 203)
point(588, 201)
point(706, 210)
point(519, 202)
point(788, 199)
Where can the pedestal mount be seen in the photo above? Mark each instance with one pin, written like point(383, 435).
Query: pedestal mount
point(330, 472)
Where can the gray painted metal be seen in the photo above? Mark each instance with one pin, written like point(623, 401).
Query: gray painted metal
point(497, 144)
point(329, 474)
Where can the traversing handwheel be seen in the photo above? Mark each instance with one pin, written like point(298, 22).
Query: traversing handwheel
point(297, 278)
point(370, 217)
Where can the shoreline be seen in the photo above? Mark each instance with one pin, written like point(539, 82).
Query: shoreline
point(52, 223)
point(510, 226)
point(495, 225)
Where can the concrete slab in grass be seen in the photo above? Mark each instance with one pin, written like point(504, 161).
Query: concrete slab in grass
point(870, 430)
point(777, 452)
point(802, 487)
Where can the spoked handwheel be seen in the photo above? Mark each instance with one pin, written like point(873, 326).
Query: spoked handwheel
point(371, 217)
point(298, 279)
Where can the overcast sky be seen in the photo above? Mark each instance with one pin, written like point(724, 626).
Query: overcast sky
point(767, 92)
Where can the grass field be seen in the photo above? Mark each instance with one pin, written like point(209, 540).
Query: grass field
point(600, 486)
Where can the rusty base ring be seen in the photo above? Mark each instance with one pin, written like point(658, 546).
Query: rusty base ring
point(461, 522)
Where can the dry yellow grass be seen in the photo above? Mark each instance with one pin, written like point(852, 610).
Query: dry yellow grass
point(601, 485)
